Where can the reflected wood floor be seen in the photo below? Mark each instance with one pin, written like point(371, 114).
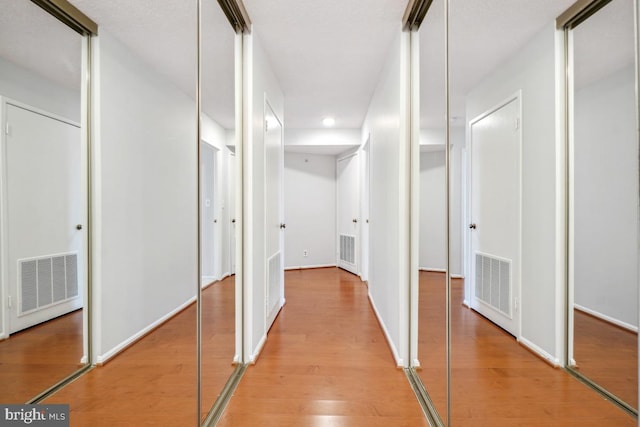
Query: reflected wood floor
point(153, 382)
point(36, 358)
point(326, 363)
point(497, 382)
point(607, 354)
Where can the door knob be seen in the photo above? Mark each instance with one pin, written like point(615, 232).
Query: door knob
point(233, 221)
point(354, 220)
point(283, 225)
point(472, 226)
point(79, 227)
point(215, 221)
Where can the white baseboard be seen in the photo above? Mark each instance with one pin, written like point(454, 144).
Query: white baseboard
point(416, 364)
point(205, 280)
point(104, 358)
point(554, 361)
point(256, 353)
point(394, 350)
point(606, 318)
point(441, 270)
point(303, 267)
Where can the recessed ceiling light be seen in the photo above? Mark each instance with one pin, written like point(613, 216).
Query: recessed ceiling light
point(328, 121)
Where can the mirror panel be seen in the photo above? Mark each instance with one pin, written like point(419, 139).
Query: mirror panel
point(217, 203)
point(43, 196)
point(432, 246)
point(604, 200)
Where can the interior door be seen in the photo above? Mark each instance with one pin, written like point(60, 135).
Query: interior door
point(274, 155)
point(208, 209)
point(495, 215)
point(348, 213)
point(45, 217)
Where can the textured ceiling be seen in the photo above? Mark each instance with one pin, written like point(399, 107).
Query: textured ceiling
point(483, 34)
point(328, 54)
point(33, 39)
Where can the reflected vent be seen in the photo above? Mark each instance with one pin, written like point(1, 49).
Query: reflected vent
point(493, 282)
point(348, 249)
point(273, 282)
point(46, 281)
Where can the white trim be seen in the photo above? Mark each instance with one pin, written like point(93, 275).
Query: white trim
point(308, 267)
point(392, 347)
point(256, 353)
point(554, 361)
point(619, 323)
point(441, 270)
point(101, 359)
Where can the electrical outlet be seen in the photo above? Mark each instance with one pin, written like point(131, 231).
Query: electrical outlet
point(305, 252)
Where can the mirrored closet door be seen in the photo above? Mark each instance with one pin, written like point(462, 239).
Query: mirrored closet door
point(603, 198)
point(217, 199)
point(43, 201)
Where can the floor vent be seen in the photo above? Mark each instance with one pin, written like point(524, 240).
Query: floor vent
point(493, 282)
point(46, 281)
point(348, 248)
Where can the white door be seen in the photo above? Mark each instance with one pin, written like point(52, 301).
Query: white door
point(274, 292)
point(348, 216)
point(232, 213)
point(45, 217)
point(208, 209)
point(495, 215)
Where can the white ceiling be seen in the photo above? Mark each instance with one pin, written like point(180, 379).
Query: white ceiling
point(327, 54)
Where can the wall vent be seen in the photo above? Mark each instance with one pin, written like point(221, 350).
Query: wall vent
point(493, 282)
point(46, 281)
point(348, 249)
point(273, 283)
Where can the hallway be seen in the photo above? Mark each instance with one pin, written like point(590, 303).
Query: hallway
point(326, 362)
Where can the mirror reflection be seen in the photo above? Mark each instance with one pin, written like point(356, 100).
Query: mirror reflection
point(217, 175)
point(432, 258)
point(43, 198)
point(604, 200)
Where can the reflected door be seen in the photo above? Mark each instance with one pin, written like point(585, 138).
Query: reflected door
point(495, 215)
point(347, 170)
point(45, 217)
point(274, 294)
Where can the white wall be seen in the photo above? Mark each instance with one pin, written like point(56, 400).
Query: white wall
point(386, 123)
point(31, 88)
point(433, 209)
point(261, 84)
point(606, 198)
point(532, 70)
point(330, 139)
point(145, 197)
point(309, 210)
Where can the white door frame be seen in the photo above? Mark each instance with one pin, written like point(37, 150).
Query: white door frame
point(469, 292)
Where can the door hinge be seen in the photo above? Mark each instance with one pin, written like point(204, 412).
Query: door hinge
point(7, 129)
point(9, 302)
point(515, 304)
point(517, 123)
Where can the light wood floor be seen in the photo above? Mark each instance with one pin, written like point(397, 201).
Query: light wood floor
point(325, 363)
point(607, 354)
point(153, 383)
point(497, 382)
point(35, 359)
